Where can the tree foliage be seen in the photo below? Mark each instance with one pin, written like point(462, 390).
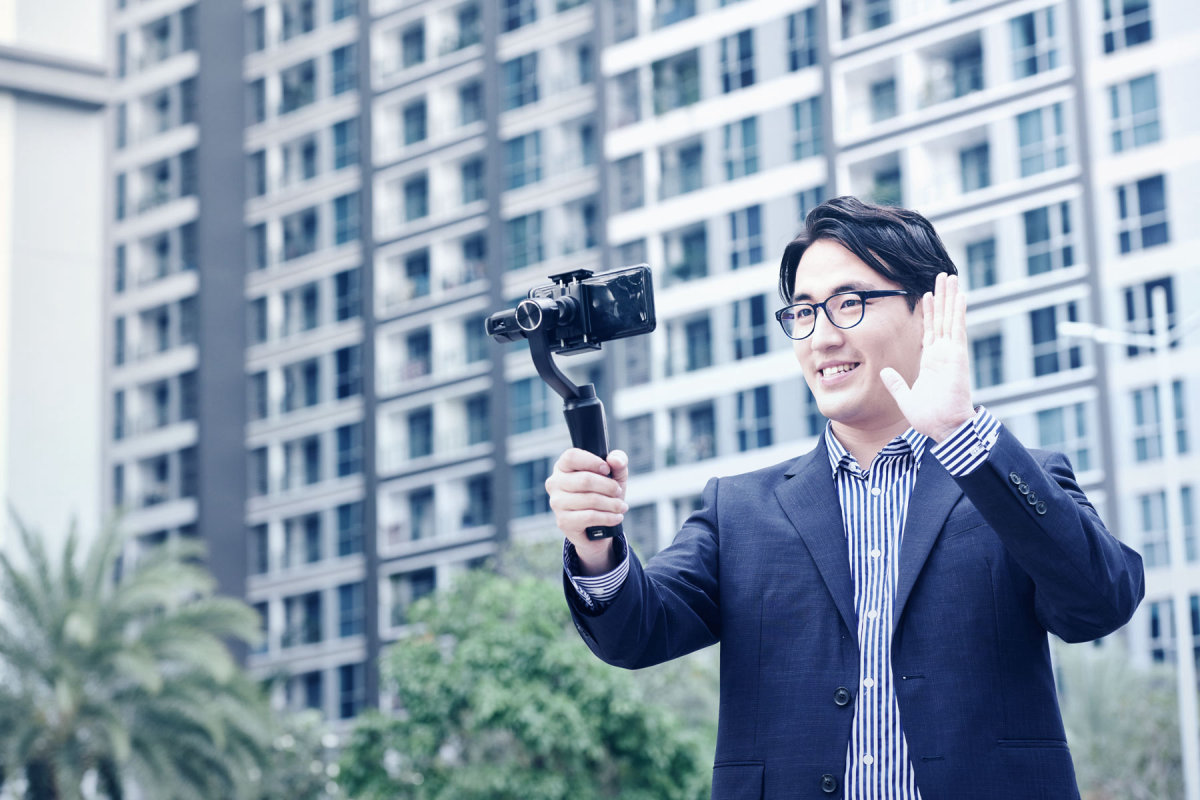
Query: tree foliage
point(1122, 724)
point(119, 680)
point(499, 698)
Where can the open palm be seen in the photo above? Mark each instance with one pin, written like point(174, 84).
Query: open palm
point(939, 401)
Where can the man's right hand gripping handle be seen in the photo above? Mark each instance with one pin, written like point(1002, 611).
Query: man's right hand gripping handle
point(587, 491)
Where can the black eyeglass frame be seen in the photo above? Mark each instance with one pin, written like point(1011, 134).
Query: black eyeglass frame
point(864, 296)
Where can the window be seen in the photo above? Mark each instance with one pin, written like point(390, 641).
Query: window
point(1049, 354)
point(1065, 429)
point(860, 16)
point(352, 690)
point(741, 148)
point(311, 451)
point(257, 472)
point(345, 69)
point(802, 39)
point(479, 501)
point(420, 433)
point(754, 418)
point(639, 436)
point(737, 61)
point(260, 552)
point(1033, 43)
point(1162, 631)
point(298, 18)
point(523, 241)
point(815, 422)
point(696, 429)
point(1042, 138)
point(806, 126)
point(118, 485)
point(676, 81)
point(745, 237)
point(416, 198)
point(352, 610)
point(1191, 545)
point(256, 173)
point(624, 19)
point(473, 187)
point(345, 143)
point(412, 46)
point(529, 488)
point(1134, 108)
point(1153, 525)
point(407, 589)
point(750, 327)
point(975, 167)
point(668, 12)
point(522, 160)
point(1142, 215)
point(697, 336)
point(686, 253)
point(519, 83)
point(348, 361)
point(470, 26)
point(528, 405)
point(476, 340)
point(470, 103)
point(1049, 239)
point(516, 14)
point(808, 199)
point(349, 529)
point(682, 168)
point(415, 129)
point(883, 99)
point(344, 8)
point(1139, 308)
point(987, 360)
point(345, 218)
point(479, 425)
point(302, 618)
point(302, 540)
point(347, 291)
point(1147, 429)
point(418, 347)
point(966, 69)
point(256, 30)
point(416, 274)
point(422, 522)
point(625, 99)
point(1126, 23)
point(258, 396)
point(301, 385)
point(981, 263)
point(299, 86)
point(299, 234)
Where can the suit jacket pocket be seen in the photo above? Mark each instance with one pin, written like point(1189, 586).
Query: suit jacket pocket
point(738, 780)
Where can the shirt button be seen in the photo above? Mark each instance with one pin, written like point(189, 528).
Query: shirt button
point(868, 760)
point(877, 491)
point(869, 682)
point(876, 552)
point(872, 614)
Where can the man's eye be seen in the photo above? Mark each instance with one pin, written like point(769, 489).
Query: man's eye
point(803, 312)
point(849, 302)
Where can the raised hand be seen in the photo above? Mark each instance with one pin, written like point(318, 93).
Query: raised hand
point(939, 401)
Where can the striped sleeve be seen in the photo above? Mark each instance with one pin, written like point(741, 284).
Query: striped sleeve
point(963, 451)
point(596, 591)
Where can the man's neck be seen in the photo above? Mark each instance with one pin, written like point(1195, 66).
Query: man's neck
point(865, 445)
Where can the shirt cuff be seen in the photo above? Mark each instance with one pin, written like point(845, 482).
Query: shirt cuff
point(963, 451)
point(596, 591)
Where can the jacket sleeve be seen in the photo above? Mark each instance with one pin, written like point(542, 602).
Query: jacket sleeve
point(1087, 582)
point(665, 608)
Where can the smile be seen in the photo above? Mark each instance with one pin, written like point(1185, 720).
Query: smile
point(838, 369)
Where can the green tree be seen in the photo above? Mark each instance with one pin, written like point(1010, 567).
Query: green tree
point(499, 698)
point(1122, 724)
point(123, 679)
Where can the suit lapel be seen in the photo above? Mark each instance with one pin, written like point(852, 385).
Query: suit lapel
point(809, 498)
point(934, 494)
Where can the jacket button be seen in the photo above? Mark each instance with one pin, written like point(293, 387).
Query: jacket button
point(1032, 499)
point(841, 696)
point(1015, 478)
point(829, 784)
point(1040, 507)
point(1023, 488)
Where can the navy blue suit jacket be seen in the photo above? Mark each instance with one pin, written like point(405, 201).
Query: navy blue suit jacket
point(763, 568)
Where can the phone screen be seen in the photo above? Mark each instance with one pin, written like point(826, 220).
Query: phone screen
point(620, 303)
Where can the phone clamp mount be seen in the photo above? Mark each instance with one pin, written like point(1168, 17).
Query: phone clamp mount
point(558, 318)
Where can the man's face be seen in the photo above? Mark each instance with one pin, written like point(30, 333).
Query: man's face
point(842, 366)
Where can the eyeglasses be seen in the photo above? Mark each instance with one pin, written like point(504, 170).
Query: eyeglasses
point(844, 309)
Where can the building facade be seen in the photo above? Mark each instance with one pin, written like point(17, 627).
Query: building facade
point(318, 202)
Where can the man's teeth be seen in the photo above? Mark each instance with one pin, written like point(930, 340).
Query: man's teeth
point(840, 368)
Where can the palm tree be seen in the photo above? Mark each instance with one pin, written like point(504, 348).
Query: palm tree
point(109, 679)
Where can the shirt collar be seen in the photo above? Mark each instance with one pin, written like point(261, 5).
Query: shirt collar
point(910, 443)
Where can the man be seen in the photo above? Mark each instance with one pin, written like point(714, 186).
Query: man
point(882, 602)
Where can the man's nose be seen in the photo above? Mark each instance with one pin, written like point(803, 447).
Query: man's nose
point(825, 333)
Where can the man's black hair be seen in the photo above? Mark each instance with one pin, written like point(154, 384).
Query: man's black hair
point(897, 243)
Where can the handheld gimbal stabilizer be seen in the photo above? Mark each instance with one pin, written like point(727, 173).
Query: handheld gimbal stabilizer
point(572, 314)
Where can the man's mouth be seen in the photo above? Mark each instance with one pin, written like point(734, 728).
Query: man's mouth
point(838, 369)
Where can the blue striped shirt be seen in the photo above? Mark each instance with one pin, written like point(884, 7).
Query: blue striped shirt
point(874, 508)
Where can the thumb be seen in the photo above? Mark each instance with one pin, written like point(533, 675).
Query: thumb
point(618, 462)
point(895, 384)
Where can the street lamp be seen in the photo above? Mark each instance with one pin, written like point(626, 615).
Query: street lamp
point(1160, 341)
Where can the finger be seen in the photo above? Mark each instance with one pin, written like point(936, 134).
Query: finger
point(587, 501)
point(939, 306)
point(582, 483)
point(577, 460)
point(618, 462)
point(959, 330)
point(897, 387)
point(578, 521)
